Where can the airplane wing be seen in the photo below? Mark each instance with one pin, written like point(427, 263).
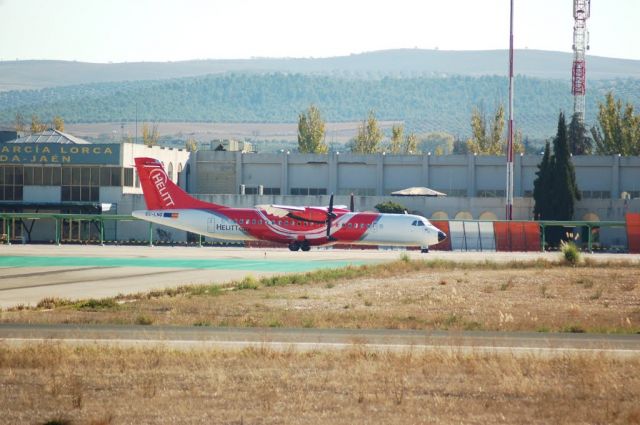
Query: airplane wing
point(311, 214)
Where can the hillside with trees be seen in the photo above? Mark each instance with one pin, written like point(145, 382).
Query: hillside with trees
point(424, 104)
point(395, 63)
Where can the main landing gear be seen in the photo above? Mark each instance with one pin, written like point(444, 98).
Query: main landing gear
point(424, 250)
point(304, 245)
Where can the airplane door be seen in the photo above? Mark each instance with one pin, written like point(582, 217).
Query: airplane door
point(211, 224)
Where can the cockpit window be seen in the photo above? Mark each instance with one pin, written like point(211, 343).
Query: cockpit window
point(417, 223)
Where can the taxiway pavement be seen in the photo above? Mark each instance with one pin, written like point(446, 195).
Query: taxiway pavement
point(183, 337)
point(29, 273)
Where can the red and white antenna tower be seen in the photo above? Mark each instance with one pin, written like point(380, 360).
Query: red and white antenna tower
point(581, 12)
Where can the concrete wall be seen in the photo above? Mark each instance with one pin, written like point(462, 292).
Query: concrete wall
point(377, 175)
point(177, 158)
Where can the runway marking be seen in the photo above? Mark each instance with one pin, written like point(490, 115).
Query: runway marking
point(84, 280)
point(297, 265)
point(13, 276)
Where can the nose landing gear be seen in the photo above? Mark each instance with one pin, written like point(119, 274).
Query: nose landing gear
point(424, 250)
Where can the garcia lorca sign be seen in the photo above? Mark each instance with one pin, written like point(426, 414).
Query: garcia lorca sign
point(56, 153)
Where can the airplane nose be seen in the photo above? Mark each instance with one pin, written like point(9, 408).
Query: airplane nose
point(441, 236)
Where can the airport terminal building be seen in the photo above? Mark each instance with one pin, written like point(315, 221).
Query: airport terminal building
point(59, 173)
point(55, 172)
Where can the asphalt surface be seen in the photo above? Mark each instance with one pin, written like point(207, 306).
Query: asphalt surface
point(176, 337)
point(29, 273)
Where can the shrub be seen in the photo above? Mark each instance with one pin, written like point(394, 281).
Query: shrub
point(249, 282)
point(570, 253)
point(97, 304)
point(390, 207)
point(144, 320)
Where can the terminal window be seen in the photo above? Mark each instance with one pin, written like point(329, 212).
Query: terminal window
point(308, 191)
point(265, 191)
point(11, 182)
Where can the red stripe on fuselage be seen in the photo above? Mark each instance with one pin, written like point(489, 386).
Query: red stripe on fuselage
point(346, 227)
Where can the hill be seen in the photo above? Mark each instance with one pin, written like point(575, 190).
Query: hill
point(400, 63)
point(424, 104)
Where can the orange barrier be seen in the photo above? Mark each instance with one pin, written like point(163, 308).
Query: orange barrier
point(442, 225)
point(517, 236)
point(633, 232)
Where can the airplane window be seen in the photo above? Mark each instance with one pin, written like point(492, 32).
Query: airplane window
point(414, 223)
point(369, 226)
point(241, 221)
point(279, 222)
point(420, 223)
point(253, 221)
point(349, 224)
point(259, 221)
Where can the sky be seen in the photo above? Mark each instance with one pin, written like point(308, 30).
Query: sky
point(174, 30)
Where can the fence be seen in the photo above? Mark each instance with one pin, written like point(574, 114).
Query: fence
point(463, 235)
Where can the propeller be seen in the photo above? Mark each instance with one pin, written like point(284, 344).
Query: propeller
point(351, 204)
point(330, 217)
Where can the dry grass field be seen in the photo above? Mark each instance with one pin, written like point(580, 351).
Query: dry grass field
point(534, 296)
point(56, 384)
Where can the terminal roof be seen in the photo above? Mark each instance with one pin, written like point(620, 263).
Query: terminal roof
point(51, 136)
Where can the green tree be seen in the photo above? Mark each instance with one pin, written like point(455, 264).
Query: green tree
point(518, 145)
point(555, 189)
point(150, 136)
point(369, 136)
point(579, 141)
point(564, 188)
point(542, 186)
point(460, 147)
point(58, 123)
point(390, 207)
point(619, 131)
point(37, 126)
point(439, 141)
point(411, 144)
point(487, 141)
point(396, 139)
point(191, 145)
point(311, 132)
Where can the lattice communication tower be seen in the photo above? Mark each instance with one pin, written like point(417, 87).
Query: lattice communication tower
point(581, 12)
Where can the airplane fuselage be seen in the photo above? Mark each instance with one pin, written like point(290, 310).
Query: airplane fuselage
point(243, 224)
point(298, 227)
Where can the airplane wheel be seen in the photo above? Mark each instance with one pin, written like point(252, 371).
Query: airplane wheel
point(424, 250)
point(305, 247)
point(294, 246)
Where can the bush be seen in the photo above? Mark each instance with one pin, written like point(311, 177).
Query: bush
point(144, 320)
point(390, 207)
point(249, 282)
point(98, 304)
point(570, 253)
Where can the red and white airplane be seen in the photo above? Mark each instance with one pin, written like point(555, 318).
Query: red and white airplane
point(297, 227)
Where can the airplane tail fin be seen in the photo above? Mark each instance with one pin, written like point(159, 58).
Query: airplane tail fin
point(160, 193)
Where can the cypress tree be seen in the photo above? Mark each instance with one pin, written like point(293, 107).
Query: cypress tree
point(579, 141)
point(542, 186)
point(564, 189)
